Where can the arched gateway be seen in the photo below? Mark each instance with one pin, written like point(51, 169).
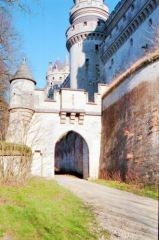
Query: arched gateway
point(72, 155)
point(64, 133)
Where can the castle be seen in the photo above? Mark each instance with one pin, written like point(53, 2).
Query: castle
point(98, 115)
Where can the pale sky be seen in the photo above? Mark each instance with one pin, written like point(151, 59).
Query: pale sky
point(42, 33)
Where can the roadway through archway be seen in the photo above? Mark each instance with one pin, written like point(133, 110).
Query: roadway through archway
point(72, 155)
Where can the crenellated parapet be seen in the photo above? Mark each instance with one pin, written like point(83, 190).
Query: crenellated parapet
point(87, 19)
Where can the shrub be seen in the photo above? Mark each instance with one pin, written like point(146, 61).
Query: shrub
point(15, 162)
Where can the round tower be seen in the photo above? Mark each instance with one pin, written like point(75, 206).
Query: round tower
point(84, 36)
point(21, 103)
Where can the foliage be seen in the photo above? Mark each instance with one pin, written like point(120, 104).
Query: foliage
point(147, 191)
point(44, 210)
point(15, 162)
point(12, 149)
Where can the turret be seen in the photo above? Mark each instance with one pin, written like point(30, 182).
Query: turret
point(84, 36)
point(21, 103)
point(56, 75)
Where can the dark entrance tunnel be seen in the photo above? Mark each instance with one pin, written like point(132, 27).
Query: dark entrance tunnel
point(72, 156)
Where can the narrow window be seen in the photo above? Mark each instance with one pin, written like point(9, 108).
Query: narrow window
point(96, 47)
point(150, 22)
point(124, 17)
point(131, 42)
point(85, 23)
point(87, 61)
point(132, 7)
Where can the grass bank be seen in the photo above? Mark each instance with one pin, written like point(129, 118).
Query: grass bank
point(146, 191)
point(43, 210)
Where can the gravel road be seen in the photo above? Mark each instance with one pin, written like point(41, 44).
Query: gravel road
point(125, 215)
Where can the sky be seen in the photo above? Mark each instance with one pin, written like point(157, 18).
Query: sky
point(42, 33)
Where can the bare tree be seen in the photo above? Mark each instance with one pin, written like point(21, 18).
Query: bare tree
point(8, 53)
point(7, 38)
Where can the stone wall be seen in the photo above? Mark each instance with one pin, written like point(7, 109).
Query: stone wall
point(70, 155)
point(130, 128)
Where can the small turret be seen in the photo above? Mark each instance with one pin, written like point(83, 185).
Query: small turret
point(21, 102)
point(56, 75)
point(22, 87)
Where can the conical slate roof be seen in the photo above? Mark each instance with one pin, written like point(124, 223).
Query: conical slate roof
point(23, 72)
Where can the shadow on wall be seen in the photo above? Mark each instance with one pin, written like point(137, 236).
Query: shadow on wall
point(89, 65)
point(72, 155)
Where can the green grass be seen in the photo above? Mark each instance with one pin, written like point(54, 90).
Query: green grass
point(45, 211)
point(146, 191)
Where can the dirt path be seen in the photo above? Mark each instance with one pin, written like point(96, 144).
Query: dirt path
point(125, 215)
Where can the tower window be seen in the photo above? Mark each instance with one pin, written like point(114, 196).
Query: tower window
point(87, 61)
point(132, 7)
point(150, 22)
point(112, 61)
point(85, 23)
point(98, 23)
point(96, 47)
point(131, 42)
point(124, 17)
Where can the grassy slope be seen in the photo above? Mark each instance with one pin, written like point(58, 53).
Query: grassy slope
point(44, 210)
point(146, 191)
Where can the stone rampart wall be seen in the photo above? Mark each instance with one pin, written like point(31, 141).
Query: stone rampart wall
point(130, 127)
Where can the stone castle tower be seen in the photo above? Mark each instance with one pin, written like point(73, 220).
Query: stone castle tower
point(84, 36)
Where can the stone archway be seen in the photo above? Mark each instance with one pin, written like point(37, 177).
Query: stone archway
point(72, 155)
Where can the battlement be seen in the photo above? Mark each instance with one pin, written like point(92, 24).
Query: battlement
point(67, 101)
